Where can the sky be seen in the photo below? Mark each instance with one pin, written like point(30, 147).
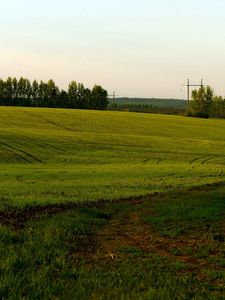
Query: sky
point(139, 48)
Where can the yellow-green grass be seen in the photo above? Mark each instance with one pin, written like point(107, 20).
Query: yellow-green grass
point(58, 155)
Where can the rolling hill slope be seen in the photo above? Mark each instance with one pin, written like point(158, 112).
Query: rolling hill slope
point(55, 155)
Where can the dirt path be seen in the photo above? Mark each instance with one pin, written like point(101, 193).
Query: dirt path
point(126, 233)
point(17, 217)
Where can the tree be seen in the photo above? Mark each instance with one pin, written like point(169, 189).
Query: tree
point(72, 93)
point(63, 99)
point(35, 91)
point(23, 92)
point(9, 90)
point(208, 100)
point(21, 89)
point(28, 92)
point(52, 93)
point(202, 100)
point(99, 98)
point(15, 90)
point(81, 97)
point(88, 98)
point(218, 109)
point(2, 93)
point(42, 94)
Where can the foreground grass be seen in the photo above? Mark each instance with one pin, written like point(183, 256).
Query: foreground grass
point(123, 250)
point(55, 155)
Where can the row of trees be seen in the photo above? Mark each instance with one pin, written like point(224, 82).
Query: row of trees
point(206, 104)
point(22, 92)
point(146, 108)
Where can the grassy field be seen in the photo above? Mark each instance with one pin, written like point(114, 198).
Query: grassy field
point(111, 205)
point(52, 156)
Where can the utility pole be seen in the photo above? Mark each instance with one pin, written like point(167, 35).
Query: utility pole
point(188, 85)
point(188, 94)
point(113, 97)
point(202, 93)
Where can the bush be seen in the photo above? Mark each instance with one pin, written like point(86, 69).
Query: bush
point(200, 114)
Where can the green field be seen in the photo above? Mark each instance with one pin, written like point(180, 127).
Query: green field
point(160, 235)
point(50, 155)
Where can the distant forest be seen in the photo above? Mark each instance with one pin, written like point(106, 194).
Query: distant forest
point(22, 92)
point(149, 105)
point(153, 102)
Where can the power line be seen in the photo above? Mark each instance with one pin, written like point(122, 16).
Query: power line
point(188, 85)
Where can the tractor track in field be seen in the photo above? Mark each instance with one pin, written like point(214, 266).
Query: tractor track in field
point(205, 158)
point(196, 159)
point(17, 155)
point(202, 159)
point(56, 124)
point(11, 148)
point(158, 160)
point(51, 122)
point(17, 217)
point(208, 159)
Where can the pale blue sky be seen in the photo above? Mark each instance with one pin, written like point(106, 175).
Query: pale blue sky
point(136, 47)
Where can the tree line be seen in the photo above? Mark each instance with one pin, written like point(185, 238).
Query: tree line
point(206, 104)
point(146, 108)
point(22, 92)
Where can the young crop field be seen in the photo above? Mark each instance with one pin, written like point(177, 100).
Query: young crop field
point(53, 156)
point(111, 205)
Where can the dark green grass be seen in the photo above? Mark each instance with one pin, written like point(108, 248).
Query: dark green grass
point(61, 256)
point(47, 260)
point(176, 214)
point(36, 262)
